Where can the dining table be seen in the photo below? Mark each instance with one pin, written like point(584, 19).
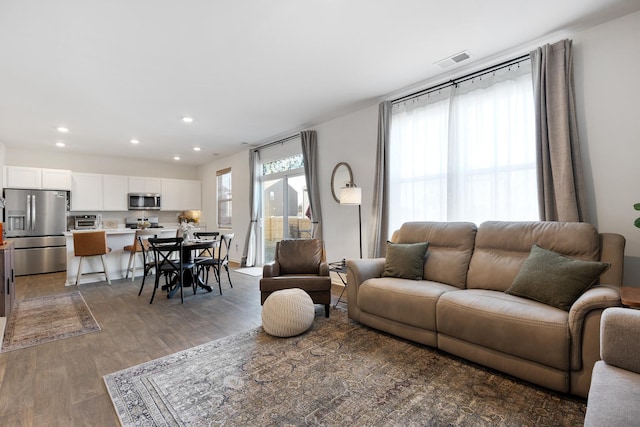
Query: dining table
point(188, 248)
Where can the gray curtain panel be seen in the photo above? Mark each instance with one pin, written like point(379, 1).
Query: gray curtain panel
point(251, 241)
point(561, 193)
point(380, 218)
point(309, 141)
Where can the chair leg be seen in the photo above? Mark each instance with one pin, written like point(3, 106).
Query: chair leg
point(133, 266)
point(326, 310)
point(226, 267)
point(79, 270)
point(155, 286)
point(104, 266)
point(131, 259)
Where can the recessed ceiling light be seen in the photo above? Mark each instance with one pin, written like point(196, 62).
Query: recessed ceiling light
point(60, 144)
point(135, 141)
point(187, 119)
point(62, 129)
point(196, 148)
point(176, 157)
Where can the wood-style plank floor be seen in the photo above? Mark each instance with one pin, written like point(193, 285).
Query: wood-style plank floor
point(60, 383)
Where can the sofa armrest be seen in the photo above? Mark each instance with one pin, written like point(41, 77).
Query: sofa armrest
point(619, 343)
point(271, 270)
point(324, 269)
point(598, 297)
point(358, 271)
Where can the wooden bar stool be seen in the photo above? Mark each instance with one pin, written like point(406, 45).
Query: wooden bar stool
point(88, 244)
point(135, 249)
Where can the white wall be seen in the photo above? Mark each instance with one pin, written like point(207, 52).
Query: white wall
point(239, 164)
point(97, 164)
point(606, 66)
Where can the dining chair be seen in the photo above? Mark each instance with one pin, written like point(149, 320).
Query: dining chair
point(222, 256)
point(147, 256)
point(168, 255)
point(135, 249)
point(91, 244)
point(205, 259)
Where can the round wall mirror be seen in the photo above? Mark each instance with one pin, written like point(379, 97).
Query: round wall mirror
point(339, 178)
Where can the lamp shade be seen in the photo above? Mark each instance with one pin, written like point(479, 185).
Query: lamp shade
point(351, 196)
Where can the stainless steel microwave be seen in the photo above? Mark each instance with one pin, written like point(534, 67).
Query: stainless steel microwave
point(144, 201)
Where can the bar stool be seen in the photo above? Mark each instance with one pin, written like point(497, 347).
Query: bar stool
point(89, 244)
point(135, 249)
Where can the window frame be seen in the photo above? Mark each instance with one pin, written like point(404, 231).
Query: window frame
point(224, 198)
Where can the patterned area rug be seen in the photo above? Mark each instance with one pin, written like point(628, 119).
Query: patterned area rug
point(337, 373)
point(44, 319)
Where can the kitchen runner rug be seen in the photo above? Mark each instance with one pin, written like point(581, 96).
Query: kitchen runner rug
point(337, 373)
point(48, 318)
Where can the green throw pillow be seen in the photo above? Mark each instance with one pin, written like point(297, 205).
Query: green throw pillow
point(555, 279)
point(405, 260)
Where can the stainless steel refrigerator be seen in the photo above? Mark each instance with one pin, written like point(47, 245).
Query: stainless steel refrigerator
point(36, 220)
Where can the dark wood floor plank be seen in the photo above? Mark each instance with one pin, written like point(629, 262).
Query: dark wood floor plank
point(61, 383)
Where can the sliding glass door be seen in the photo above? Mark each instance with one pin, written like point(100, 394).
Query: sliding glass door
point(285, 210)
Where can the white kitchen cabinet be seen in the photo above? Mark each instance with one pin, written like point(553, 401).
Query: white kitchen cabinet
point(141, 184)
point(190, 195)
point(86, 192)
point(37, 178)
point(56, 179)
point(114, 192)
point(21, 177)
point(170, 196)
point(181, 195)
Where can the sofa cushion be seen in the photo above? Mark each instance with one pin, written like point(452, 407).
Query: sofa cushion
point(502, 247)
point(405, 260)
point(405, 301)
point(508, 324)
point(554, 279)
point(450, 248)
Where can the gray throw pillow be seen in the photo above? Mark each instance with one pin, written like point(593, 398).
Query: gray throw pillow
point(405, 260)
point(554, 279)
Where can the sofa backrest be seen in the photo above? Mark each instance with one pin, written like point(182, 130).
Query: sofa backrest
point(450, 248)
point(501, 248)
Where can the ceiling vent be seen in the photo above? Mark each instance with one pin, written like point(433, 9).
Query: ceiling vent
point(453, 59)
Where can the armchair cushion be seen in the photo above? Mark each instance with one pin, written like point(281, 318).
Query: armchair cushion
point(300, 256)
point(554, 279)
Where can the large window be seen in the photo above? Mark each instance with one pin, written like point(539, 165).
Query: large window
point(224, 198)
point(465, 153)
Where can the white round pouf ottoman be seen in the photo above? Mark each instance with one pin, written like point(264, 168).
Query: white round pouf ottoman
point(287, 312)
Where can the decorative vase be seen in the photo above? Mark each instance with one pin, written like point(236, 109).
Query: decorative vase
point(185, 236)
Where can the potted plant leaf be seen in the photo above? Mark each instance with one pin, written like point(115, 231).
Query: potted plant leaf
point(637, 221)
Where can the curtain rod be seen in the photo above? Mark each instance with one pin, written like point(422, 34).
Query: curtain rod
point(280, 141)
point(466, 77)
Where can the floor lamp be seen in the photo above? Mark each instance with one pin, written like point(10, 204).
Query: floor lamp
point(352, 195)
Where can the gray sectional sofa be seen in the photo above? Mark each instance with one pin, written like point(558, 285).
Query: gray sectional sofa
point(460, 304)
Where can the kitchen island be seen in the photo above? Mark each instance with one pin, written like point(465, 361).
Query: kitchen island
point(117, 260)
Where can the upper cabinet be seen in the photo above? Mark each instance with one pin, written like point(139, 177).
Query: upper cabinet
point(86, 192)
point(114, 192)
point(181, 195)
point(141, 184)
point(36, 178)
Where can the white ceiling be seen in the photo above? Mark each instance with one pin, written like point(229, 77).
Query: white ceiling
point(246, 70)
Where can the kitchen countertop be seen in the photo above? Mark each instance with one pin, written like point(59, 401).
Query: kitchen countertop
point(119, 230)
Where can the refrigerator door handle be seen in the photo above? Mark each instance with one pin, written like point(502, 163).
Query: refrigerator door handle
point(33, 216)
point(27, 226)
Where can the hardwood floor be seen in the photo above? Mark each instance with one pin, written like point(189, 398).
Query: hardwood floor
point(60, 383)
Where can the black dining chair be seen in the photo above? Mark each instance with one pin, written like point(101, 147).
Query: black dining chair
point(205, 260)
point(169, 262)
point(222, 257)
point(147, 258)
